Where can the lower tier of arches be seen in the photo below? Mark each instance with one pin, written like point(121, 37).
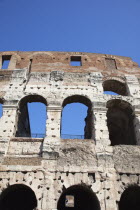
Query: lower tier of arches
point(37, 190)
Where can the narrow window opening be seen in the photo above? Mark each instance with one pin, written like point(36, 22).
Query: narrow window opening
point(30, 65)
point(5, 61)
point(111, 63)
point(75, 61)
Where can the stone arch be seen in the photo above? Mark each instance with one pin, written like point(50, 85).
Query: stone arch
point(130, 198)
point(79, 197)
point(32, 98)
point(115, 85)
point(77, 98)
point(120, 122)
point(18, 196)
point(88, 120)
point(23, 125)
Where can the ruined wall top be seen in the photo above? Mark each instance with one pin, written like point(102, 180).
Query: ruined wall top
point(43, 61)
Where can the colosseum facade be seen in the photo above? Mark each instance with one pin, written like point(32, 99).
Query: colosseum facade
point(52, 172)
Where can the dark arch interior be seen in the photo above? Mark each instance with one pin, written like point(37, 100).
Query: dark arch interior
point(83, 117)
point(130, 198)
point(32, 98)
point(18, 197)
point(84, 199)
point(78, 99)
point(24, 127)
point(120, 123)
point(115, 86)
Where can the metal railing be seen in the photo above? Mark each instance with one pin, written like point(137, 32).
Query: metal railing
point(38, 135)
point(63, 136)
point(69, 136)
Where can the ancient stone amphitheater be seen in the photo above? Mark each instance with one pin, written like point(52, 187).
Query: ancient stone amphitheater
point(98, 172)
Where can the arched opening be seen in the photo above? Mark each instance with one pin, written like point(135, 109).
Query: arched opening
point(32, 117)
point(114, 87)
point(130, 198)
point(18, 196)
point(1, 108)
point(120, 122)
point(78, 197)
point(76, 121)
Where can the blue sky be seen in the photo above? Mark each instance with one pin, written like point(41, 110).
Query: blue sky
point(110, 27)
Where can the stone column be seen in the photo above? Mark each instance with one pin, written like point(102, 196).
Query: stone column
point(0, 62)
point(137, 126)
point(53, 121)
point(8, 121)
point(133, 85)
point(52, 132)
point(100, 124)
point(96, 81)
point(12, 64)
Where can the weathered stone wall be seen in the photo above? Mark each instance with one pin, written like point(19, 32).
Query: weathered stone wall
point(51, 164)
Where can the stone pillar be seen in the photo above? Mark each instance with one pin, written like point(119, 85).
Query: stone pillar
point(12, 64)
point(8, 121)
point(52, 132)
point(137, 126)
point(0, 61)
point(53, 121)
point(100, 124)
point(89, 125)
point(133, 85)
point(96, 82)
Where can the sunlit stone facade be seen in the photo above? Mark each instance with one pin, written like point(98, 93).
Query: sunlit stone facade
point(59, 170)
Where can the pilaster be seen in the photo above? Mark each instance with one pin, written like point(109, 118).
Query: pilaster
point(133, 85)
point(100, 124)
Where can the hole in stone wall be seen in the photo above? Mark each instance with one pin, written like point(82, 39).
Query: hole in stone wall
point(75, 61)
point(92, 177)
point(30, 65)
point(5, 61)
point(18, 196)
point(130, 198)
point(78, 197)
point(76, 118)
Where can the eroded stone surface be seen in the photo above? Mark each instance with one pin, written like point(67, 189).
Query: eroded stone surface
point(51, 164)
